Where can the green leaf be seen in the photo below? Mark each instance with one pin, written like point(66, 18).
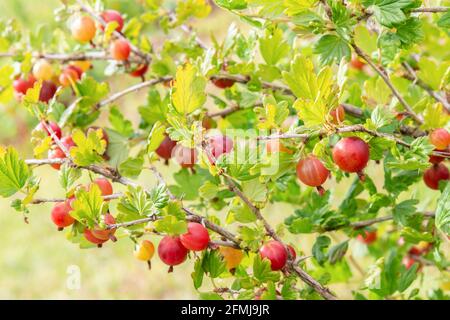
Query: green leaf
point(119, 123)
point(189, 90)
point(68, 176)
point(14, 173)
point(156, 136)
point(337, 252)
point(213, 263)
point(273, 47)
point(88, 205)
point(442, 219)
point(407, 277)
point(332, 48)
point(89, 149)
point(171, 225)
point(232, 4)
point(197, 274)
point(388, 12)
point(319, 247)
point(262, 270)
point(444, 20)
point(255, 190)
point(132, 167)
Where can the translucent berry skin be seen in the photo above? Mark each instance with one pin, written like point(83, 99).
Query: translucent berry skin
point(312, 172)
point(61, 215)
point(223, 83)
point(171, 251)
point(276, 253)
point(232, 256)
point(43, 70)
point(436, 159)
point(435, 174)
point(53, 126)
point(356, 63)
point(144, 251)
point(338, 114)
point(351, 154)
point(368, 237)
point(22, 85)
point(408, 262)
point(219, 145)
point(91, 238)
point(70, 74)
point(83, 29)
point(56, 153)
point(186, 157)
point(105, 186)
point(105, 234)
point(196, 238)
point(110, 16)
point(165, 148)
point(440, 138)
point(48, 91)
point(139, 71)
point(120, 50)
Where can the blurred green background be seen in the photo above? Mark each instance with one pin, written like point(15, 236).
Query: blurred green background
point(36, 261)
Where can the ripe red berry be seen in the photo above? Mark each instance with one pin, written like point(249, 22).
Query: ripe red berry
point(53, 126)
point(276, 253)
point(110, 16)
point(357, 63)
point(48, 90)
point(105, 234)
point(338, 114)
point(70, 74)
point(196, 238)
point(22, 85)
point(61, 215)
point(91, 238)
point(67, 142)
point(139, 71)
point(208, 123)
point(186, 157)
point(435, 174)
point(171, 251)
point(312, 172)
point(105, 186)
point(83, 29)
point(56, 153)
point(219, 145)
point(120, 50)
point(165, 148)
point(351, 154)
point(440, 138)
point(436, 159)
point(368, 237)
point(223, 83)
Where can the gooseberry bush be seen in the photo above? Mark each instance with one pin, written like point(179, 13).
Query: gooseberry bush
point(308, 122)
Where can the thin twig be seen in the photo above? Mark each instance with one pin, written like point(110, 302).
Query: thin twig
point(384, 75)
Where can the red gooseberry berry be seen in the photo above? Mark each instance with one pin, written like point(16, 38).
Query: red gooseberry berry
point(276, 253)
point(186, 157)
point(165, 148)
point(110, 16)
point(435, 174)
point(351, 154)
point(171, 251)
point(218, 145)
point(196, 238)
point(312, 172)
point(61, 215)
point(83, 29)
point(368, 237)
point(338, 114)
point(120, 50)
point(440, 138)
